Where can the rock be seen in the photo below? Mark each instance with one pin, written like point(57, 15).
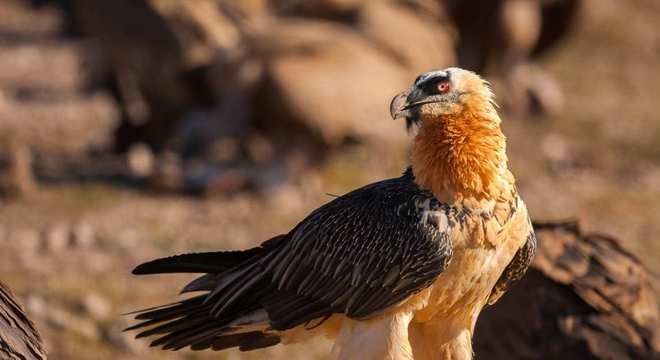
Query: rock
point(555, 149)
point(520, 22)
point(503, 41)
point(61, 319)
point(19, 179)
point(45, 104)
point(168, 174)
point(285, 198)
point(413, 38)
point(543, 89)
point(337, 10)
point(19, 338)
point(99, 261)
point(127, 239)
point(36, 305)
point(518, 29)
point(28, 241)
point(260, 149)
point(584, 297)
point(560, 18)
point(144, 60)
point(329, 80)
point(140, 160)
point(96, 306)
point(123, 340)
point(82, 236)
point(56, 238)
point(18, 17)
point(218, 180)
point(63, 126)
point(31, 67)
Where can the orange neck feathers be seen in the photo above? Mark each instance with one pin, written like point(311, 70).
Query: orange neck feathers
point(462, 157)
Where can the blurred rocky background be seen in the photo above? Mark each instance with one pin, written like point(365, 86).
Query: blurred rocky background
point(131, 129)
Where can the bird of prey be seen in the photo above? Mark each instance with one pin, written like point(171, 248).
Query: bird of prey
point(19, 339)
point(397, 269)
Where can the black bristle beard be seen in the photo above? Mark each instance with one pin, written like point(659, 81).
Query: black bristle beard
point(413, 119)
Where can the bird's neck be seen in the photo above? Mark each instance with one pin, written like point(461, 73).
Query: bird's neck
point(462, 158)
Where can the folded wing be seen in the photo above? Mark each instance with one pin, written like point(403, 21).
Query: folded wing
point(357, 255)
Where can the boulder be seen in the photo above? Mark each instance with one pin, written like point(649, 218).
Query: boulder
point(584, 297)
point(412, 37)
point(332, 81)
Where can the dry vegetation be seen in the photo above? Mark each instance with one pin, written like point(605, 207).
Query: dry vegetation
point(68, 249)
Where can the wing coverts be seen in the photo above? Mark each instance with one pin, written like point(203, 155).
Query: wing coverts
point(357, 255)
point(516, 268)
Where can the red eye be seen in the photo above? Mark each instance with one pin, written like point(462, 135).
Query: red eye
point(443, 87)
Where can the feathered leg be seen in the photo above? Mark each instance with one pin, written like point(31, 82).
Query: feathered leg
point(385, 337)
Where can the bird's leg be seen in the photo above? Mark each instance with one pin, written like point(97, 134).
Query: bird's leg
point(440, 340)
point(385, 337)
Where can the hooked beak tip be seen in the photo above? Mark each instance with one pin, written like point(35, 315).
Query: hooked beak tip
point(398, 106)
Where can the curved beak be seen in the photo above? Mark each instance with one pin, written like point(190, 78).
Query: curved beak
point(399, 107)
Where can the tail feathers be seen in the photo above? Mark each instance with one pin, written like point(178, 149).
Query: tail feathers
point(191, 323)
point(200, 332)
point(251, 341)
point(168, 312)
point(191, 336)
point(206, 262)
point(228, 314)
point(171, 311)
point(287, 311)
point(244, 341)
point(203, 283)
point(244, 284)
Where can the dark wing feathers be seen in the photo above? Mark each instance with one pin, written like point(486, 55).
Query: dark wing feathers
point(19, 338)
point(362, 252)
point(207, 262)
point(357, 255)
point(212, 262)
point(516, 268)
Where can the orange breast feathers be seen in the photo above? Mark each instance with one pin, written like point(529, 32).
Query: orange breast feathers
point(463, 155)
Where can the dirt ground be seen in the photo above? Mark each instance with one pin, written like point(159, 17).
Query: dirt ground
point(68, 250)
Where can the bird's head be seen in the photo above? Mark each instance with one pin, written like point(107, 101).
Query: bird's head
point(459, 151)
point(441, 94)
